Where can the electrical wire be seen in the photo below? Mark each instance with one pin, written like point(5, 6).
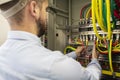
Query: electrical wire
point(83, 9)
point(117, 2)
point(112, 13)
point(110, 56)
point(69, 47)
point(115, 47)
point(97, 9)
point(108, 19)
point(81, 43)
point(103, 52)
point(95, 15)
point(88, 13)
point(94, 20)
point(104, 9)
point(100, 2)
point(116, 14)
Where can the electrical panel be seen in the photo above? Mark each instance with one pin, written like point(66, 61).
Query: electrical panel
point(97, 26)
point(75, 23)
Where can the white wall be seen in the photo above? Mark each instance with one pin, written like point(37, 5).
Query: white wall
point(4, 28)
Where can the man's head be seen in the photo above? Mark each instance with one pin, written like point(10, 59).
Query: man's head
point(26, 15)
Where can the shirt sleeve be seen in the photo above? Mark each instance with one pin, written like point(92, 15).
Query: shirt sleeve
point(68, 69)
point(72, 55)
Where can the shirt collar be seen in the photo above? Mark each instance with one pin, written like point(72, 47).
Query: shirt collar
point(22, 35)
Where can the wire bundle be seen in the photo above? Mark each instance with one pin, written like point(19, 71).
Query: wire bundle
point(76, 43)
point(85, 12)
point(97, 15)
point(105, 14)
point(103, 47)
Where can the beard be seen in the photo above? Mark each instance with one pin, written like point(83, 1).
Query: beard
point(41, 27)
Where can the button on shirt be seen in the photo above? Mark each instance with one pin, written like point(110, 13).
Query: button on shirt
point(22, 57)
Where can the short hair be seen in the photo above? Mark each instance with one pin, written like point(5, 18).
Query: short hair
point(18, 17)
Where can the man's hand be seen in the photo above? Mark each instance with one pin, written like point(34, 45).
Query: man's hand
point(94, 53)
point(79, 50)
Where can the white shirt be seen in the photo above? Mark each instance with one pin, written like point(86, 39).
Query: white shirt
point(22, 57)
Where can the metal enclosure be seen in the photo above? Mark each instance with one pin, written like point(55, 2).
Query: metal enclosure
point(67, 13)
point(57, 22)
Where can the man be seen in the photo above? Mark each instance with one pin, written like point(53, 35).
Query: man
point(22, 57)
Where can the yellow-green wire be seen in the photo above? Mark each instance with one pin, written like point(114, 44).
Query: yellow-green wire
point(97, 9)
point(101, 15)
point(110, 56)
point(69, 47)
point(108, 19)
point(88, 12)
point(94, 20)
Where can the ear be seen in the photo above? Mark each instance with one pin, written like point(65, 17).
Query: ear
point(34, 9)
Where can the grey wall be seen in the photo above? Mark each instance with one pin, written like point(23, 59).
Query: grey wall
point(63, 4)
